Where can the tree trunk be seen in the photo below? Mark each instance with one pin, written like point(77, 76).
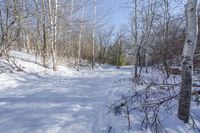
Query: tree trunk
point(53, 8)
point(44, 52)
point(80, 37)
point(166, 38)
point(38, 49)
point(71, 48)
point(187, 60)
point(136, 44)
point(94, 32)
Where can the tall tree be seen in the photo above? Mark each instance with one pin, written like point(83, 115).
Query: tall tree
point(80, 36)
point(137, 51)
point(94, 33)
point(44, 52)
point(71, 50)
point(104, 38)
point(187, 60)
point(53, 9)
point(38, 52)
point(9, 26)
point(165, 36)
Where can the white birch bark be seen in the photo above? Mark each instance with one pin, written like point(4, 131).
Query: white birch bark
point(45, 47)
point(187, 60)
point(54, 51)
point(80, 36)
point(71, 50)
point(136, 44)
point(94, 33)
point(53, 7)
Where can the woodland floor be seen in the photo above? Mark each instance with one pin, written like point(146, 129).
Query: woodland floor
point(38, 100)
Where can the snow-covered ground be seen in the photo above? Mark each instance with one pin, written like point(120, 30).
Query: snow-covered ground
point(39, 100)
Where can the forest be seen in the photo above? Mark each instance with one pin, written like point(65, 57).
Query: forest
point(99, 66)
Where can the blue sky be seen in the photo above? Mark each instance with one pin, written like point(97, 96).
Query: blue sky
point(116, 12)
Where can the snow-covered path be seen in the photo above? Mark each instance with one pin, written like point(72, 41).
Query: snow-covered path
point(65, 102)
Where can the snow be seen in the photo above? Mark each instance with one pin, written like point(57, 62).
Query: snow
point(38, 100)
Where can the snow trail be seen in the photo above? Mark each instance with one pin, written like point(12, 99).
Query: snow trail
point(66, 101)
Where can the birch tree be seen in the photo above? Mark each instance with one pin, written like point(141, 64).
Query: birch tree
point(71, 29)
point(94, 33)
point(80, 36)
point(9, 27)
point(187, 60)
point(137, 52)
point(53, 9)
point(55, 32)
point(38, 52)
point(44, 52)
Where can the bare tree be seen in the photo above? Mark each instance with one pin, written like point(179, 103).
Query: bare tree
point(38, 49)
point(187, 60)
point(45, 47)
point(137, 51)
point(9, 27)
point(94, 33)
point(53, 9)
point(80, 36)
point(71, 51)
point(104, 37)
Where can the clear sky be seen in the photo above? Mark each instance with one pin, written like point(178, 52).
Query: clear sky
point(116, 12)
